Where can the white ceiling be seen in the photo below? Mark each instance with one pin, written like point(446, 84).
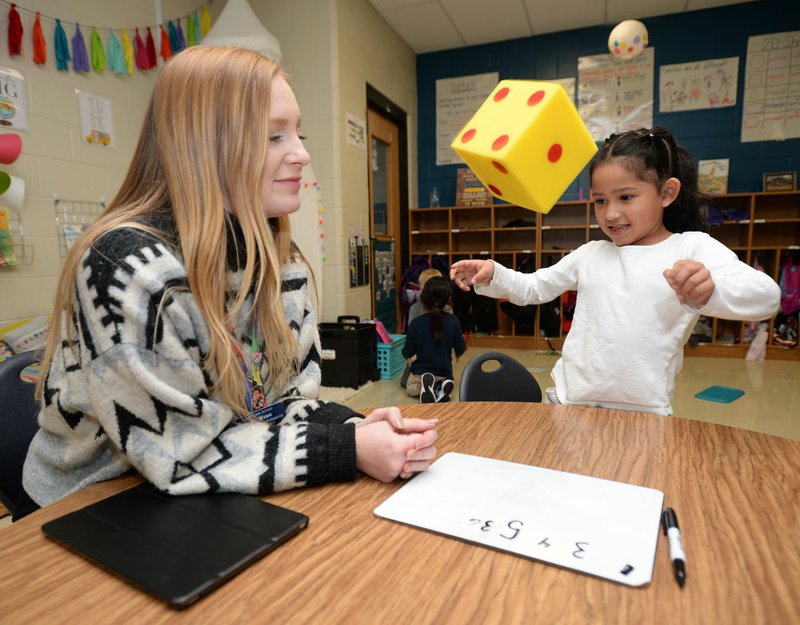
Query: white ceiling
point(430, 25)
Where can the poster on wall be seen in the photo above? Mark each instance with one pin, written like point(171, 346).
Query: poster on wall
point(700, 85)
point(97, 123)
point(457, 100)
point(356, 131)
point(772, 88)
point(13, 113)
point(615, 95)
point(712, 175)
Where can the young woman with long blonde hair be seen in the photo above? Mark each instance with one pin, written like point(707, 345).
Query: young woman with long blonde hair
point(184, 341)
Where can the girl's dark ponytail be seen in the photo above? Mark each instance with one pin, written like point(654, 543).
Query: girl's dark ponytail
point(434, 297)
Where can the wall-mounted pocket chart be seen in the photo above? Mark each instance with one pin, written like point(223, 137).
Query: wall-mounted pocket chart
point(595, 526)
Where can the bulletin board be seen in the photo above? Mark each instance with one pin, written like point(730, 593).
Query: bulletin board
point(599, 527)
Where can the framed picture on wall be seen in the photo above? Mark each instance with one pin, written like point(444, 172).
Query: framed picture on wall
point(780, 181)
point(712, 175)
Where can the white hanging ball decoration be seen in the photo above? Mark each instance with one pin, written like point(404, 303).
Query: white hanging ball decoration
point(628, 39)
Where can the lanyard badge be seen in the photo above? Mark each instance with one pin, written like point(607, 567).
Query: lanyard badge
point(255, 394)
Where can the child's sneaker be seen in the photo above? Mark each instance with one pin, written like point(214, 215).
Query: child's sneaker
point(426, 395)
point(444, 391)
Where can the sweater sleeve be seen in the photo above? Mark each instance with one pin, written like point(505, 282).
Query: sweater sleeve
point(142, 347)
point(740, 291)
point(534, 288)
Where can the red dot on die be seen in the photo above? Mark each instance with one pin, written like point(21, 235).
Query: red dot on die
point(499, 167)
point(500, 142)
point(501, 94)
point(554, 153)
point(535, 98)
point(467, 136)
point(495, 190)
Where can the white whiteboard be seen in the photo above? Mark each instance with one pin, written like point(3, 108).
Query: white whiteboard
point(603, 528)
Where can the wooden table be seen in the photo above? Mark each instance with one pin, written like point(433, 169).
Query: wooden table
point(737, 494)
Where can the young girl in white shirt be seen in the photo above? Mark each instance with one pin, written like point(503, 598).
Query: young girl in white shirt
point(641, 293)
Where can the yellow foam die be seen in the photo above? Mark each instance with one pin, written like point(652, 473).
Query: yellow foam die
point(526, 143)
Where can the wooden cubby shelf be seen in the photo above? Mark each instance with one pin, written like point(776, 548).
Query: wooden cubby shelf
point(759, 227)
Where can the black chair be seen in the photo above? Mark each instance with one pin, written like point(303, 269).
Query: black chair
point(18, 423)
point(511, 381)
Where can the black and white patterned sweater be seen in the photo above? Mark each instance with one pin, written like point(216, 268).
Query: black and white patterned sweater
point(138, 398)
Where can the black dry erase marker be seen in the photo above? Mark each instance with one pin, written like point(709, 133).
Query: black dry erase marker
point(676, 554)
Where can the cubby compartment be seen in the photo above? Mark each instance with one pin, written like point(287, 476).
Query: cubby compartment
point(473, 241)
point(516, 239)
point(777, 206)
point(510, 216)
point(429, 220)
point(776, 234)
point(736, 235)
point(430, 242)
point(472, 218)
point(562, 239)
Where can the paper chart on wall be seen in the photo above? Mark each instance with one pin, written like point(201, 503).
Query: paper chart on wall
point(457, 99)
point(772, 88)
point(595, 526)
point(615, 95)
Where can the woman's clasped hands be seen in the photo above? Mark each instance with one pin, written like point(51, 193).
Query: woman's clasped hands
point(389, 446)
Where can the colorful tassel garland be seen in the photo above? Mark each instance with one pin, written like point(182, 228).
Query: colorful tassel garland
point(205, 21)
point(14, 31)
point(116, 60)
point(174, 42)
point(166, 48)
point(62, 49)
point(127, 51)
point(191, 30)
point(180, 37)
point(80, 58)
point(97, 52)
point(140, 52)
point(39, 44)
point(198, 36)
point(152, 56)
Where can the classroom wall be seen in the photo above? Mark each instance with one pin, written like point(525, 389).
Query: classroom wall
point(331, 49)
point(54, 160)
point(679, 38)
point(369, 52)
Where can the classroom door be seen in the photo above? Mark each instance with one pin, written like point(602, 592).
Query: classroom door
point(384, 220)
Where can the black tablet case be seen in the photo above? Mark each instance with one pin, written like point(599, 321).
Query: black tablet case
point(176, 548)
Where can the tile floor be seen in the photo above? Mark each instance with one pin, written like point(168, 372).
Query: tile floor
point(771, 403)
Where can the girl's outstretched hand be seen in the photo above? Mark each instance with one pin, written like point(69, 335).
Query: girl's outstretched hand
point(466, 273)
point(691, 282)
point(389, 446)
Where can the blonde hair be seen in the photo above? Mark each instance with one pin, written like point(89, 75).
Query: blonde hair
point(427, 274)
point(203, 146)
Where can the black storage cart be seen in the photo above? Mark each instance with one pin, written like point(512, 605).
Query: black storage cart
point(349, 352)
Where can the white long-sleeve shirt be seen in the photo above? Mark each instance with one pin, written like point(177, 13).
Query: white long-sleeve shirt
point(625, 346)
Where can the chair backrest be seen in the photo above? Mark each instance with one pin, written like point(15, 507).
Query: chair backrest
point(18, 423)
point(510, 381)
